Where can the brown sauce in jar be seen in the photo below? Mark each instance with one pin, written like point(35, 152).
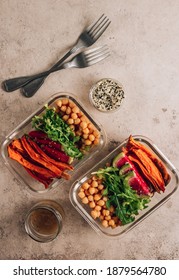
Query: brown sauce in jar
point(44, 221)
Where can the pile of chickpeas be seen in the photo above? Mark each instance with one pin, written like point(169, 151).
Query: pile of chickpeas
point(91, 194)
point(78, 122)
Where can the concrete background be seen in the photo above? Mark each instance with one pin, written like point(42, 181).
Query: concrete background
point(144, 44)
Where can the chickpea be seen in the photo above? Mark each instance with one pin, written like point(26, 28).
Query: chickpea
point(81, 189)
point(83, 125)
point(65, 117)
point(94, 184)
point(65, 101)
point(77, 121)
point(105, 223)
point(111, 222)
point(85, 136)
point(107, 213)
point(70, 121)
point(59, 103)
point(101, 217)
point(74, 116)
point(85, 186)
point(101, 202)
point(107, 218)
point(92, 204)
point(88, 142)
point(90, 126)
point(84, 119)
point(96, 133)
point(68, 111)
point(97, 208)
point(63, 108)
point(71, 104)
point(90, 198)
point(81, 194)
point(75, 110)
point(91, 137)
point(86, 131)
point(96, 141)
point(97, 197)
point(105, 198)
point(85, 200)
point(100, 187)
point(94, 214)
point(91, 190)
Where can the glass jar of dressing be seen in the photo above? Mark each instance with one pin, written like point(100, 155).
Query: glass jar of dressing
point(107, 95)
point(44, 221)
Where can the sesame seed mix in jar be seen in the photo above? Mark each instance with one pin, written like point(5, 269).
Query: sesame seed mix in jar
point(107, 95)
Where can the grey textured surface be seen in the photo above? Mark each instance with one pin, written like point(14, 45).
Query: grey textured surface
point(144, 43)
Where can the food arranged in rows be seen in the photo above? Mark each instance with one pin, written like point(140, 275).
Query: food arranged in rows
point(117, 193)
point(59, 136)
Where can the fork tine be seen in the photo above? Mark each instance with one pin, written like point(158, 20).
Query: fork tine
point(98, 59)
point(98, 32)
point(98, 26)
point(97, 49)
point(89, 28)
point(96, 52)
point(93, 57)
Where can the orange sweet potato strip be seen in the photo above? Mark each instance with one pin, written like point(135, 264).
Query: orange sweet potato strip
point(144, 171)
point(35, 156)
point(17, 145)
point(61, 165)
point(150, 166)
point(133, 143)
point(19, 158)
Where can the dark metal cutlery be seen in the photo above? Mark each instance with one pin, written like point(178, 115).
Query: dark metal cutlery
point(30, 84)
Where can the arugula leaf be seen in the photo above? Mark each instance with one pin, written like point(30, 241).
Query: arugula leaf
point(125, 200)
point(57, 130)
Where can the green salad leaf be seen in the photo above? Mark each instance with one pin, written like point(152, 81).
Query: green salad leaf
point(57, 130)
point(121, 196)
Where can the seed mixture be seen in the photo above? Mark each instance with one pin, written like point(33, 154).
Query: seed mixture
point(107, 95)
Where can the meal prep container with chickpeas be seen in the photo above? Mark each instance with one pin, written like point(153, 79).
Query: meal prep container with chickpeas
point(156, 201)
point(26, 126)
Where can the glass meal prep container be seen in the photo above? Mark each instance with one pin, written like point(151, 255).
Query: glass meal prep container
point(156, 201)
point(26, 126)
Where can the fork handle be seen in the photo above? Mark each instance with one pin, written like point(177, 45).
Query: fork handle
point(16, 83)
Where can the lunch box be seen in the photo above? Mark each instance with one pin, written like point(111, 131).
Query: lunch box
point(26, 126)
point(156, 200)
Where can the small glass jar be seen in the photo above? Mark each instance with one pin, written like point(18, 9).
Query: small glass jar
point(44, 221)
point(107, 95)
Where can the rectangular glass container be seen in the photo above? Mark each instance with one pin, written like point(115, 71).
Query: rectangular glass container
point(20, 173)
point(156, 201)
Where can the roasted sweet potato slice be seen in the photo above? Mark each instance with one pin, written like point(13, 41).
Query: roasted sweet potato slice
point(159, 164)
point(61, 165)
point(13, 154)
point(150, 167)
point(16, 144)
point(144, 171)
point(38, 158)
